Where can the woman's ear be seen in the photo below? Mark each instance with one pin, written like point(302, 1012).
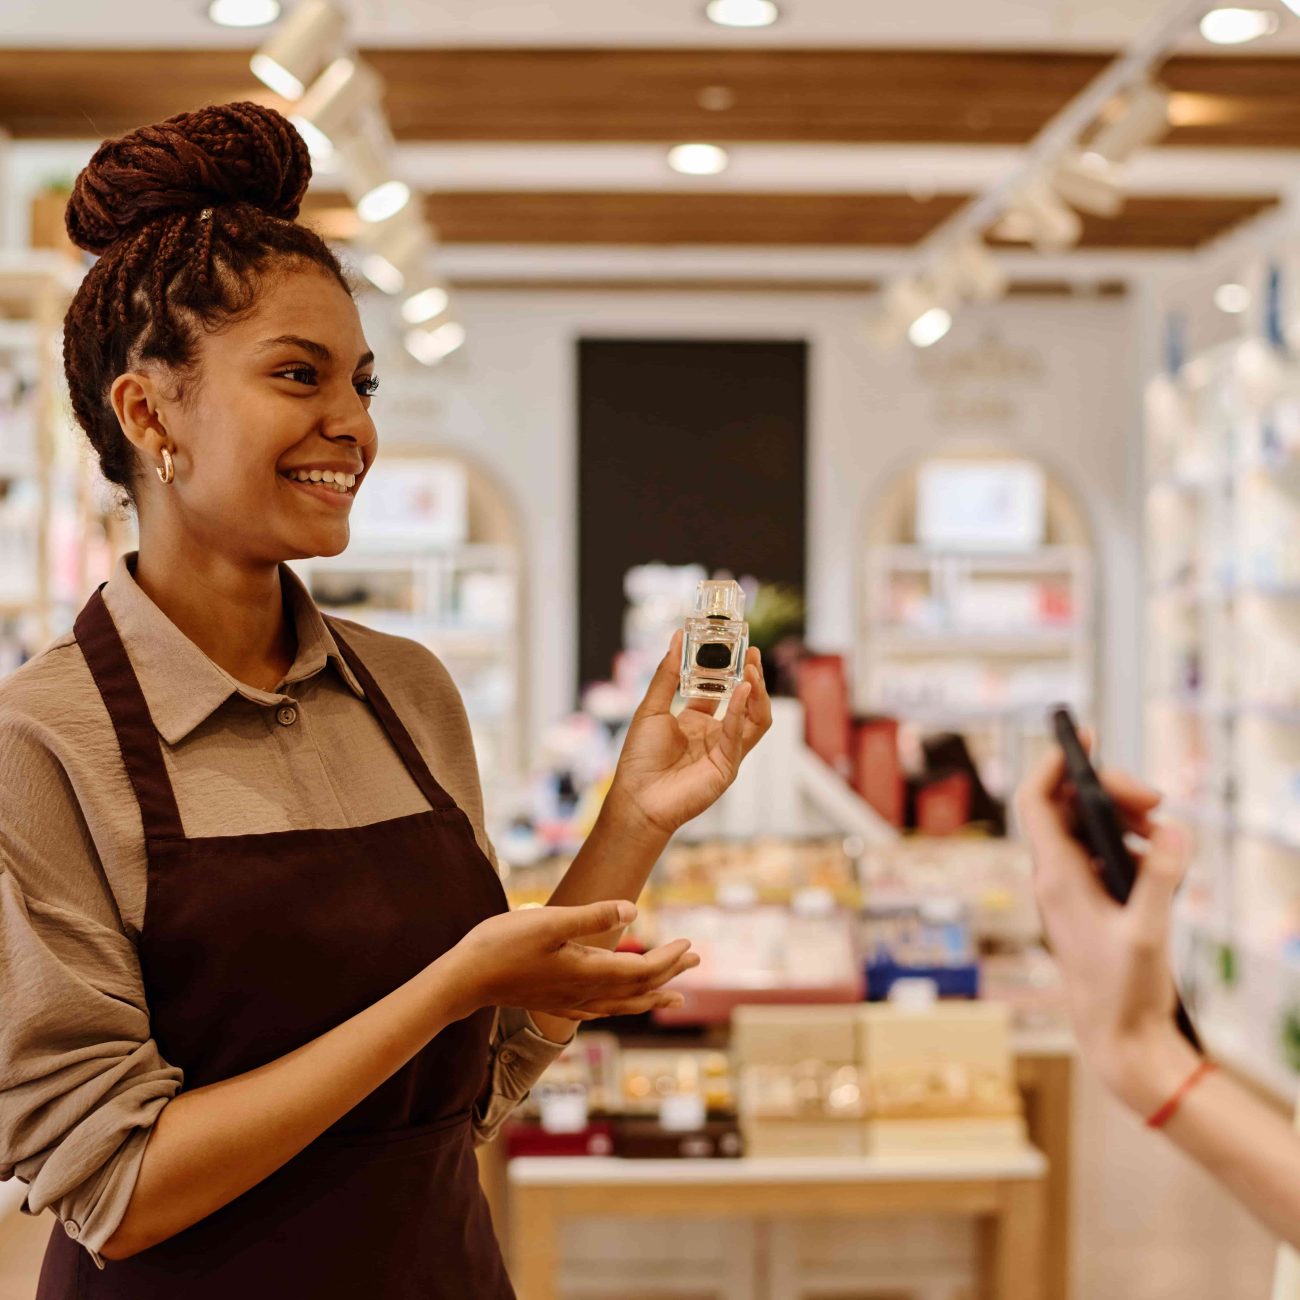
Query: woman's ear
point(135, 400)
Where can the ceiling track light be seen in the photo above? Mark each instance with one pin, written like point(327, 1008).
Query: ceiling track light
point(367, 170)
point(426, 304)
point(1039, 217)
point(968, 272)
point(345, 89)
point(1091, 183)
point(290, 61)
point(393, 250)
point(1142, 121)
point(430, 346)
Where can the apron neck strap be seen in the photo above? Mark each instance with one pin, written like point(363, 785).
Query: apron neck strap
point(137, 737)
point(392, 724)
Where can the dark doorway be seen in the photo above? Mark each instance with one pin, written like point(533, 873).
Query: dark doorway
point(688, 453)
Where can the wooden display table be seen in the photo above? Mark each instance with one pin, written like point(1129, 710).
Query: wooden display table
point(1007, 1193)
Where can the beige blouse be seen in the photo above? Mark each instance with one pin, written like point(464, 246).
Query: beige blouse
point(81, 1080)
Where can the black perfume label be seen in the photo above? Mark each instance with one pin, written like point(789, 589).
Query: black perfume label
point(714, 654)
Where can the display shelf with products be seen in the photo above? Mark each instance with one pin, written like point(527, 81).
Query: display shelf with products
point(59, 531)
point(1223, 687)
point(977, 607)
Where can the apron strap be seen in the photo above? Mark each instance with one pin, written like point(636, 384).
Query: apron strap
point(137, 737)
point(393, 725)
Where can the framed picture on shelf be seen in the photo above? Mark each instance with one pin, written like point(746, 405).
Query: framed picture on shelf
point(974, 505)
point(413, 499)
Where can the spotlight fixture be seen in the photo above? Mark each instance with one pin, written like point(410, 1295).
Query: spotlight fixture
point(393, 249)
point(425, 305)
point(431, 346)
point(698, 159)
point(343, 91)
point(1232, 298)
point(1091, 183)
point(243, 13)
point(969, 271)
point(742, 13)
point(928, 328)
point(1143, 119)
point(1238, 26)
point(1039, 217)
point(291, 59)
point(368, 177)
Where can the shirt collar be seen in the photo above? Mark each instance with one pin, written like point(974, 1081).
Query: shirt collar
point(181, 685)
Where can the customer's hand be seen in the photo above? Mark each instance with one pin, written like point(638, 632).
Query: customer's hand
point(536, 960)
point(673, 768)
point(1115, 960)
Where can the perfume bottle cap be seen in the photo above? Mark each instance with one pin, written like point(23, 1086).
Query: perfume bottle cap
point(720, 600)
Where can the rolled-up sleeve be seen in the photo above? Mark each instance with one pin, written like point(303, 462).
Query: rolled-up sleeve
point(520, 1056)
point(81, 1080)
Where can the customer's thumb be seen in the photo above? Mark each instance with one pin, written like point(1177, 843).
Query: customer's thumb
point(1161, 873)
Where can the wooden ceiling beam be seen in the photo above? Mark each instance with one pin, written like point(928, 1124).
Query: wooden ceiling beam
point(633, 95)
point(809, 220)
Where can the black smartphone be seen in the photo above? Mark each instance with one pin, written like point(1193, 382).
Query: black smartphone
point(1102, 831)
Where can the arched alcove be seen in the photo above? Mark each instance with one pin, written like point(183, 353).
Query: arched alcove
point(983, 638)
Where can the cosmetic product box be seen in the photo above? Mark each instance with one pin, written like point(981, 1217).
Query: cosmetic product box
point(646, 1139)
point(527, 1139)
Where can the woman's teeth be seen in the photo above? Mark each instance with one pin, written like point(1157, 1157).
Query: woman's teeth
point(339, 481)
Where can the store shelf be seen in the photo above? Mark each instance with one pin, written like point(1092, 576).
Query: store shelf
point(540, 1171)
point(1028, 644)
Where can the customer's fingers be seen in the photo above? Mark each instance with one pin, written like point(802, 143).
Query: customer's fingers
point(1158, 880)
point(1130, 794)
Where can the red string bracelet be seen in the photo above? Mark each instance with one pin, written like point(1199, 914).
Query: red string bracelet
point(1170, 1108)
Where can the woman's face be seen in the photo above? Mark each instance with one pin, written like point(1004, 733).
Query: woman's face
point(283, 391)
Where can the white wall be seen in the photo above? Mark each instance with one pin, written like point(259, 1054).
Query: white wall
point(509, 399)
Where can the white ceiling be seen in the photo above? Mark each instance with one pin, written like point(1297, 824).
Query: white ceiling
point(1041, 24)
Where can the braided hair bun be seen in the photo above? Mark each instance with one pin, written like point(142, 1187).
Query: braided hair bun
point(190, 219)
point(229, 152)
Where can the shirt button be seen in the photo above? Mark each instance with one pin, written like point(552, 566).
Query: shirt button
point(287, 716)
point(72, 1228)
point(507, 1054)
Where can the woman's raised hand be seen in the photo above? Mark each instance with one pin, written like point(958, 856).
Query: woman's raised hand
point(542, 959)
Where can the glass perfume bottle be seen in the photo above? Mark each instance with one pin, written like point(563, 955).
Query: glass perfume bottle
point(713, 648)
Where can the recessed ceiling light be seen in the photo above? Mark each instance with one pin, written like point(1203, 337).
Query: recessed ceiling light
point(1232, 298)
point(243, 13)
point(742, 13)
point(1237, 26)
point(930, 327)
point(698, 159)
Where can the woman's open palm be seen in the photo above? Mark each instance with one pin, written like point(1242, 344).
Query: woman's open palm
point(673, 768)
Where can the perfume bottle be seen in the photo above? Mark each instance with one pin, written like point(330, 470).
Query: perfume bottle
point(713, 649)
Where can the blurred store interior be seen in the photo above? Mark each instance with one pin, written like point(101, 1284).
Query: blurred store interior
point(963, 335)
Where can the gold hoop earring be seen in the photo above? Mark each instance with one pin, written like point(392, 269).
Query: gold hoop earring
point(168, 471)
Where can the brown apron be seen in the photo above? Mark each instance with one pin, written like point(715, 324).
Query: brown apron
point(253, 945)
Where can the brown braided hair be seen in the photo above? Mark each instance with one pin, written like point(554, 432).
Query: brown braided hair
point(189, 218)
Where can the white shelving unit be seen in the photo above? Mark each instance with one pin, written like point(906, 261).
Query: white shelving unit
point(1223, 688)
point(56, 534)
point(460, 600)
point(978, 642)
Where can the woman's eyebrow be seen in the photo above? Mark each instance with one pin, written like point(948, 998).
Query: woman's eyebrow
point(317, 350)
